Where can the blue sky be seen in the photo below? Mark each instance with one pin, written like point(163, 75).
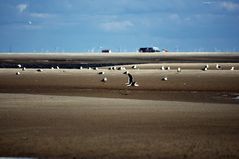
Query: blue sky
point(122, 25)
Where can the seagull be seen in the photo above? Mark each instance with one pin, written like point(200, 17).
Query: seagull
point(18, 73)
point(165, 78)
point(218, 66)
point(179, 69)
point(204, 69)
point(81, 68)
point(39, 70)
point(120, 68)
point(102, 73)
point(233, 68)
point(162, 68)
point(168, 68)
point(19, 65)
point(95, 68)
point(134, 67)
point(131, 81)
point(24, 68)
point(57, 67)
point(104, 79)
point(52, 68)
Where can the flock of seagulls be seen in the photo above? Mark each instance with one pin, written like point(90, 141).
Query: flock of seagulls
point(131, 81)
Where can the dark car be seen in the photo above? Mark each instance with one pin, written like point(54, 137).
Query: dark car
point(149, 49)
point(106, 51)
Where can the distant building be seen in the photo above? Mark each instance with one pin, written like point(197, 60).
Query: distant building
point(106, 51)
point(149, 49)
point(164, 50)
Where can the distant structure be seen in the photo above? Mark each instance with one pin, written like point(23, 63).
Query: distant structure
point(148, 49)
point(164, 50)
point(106, 51)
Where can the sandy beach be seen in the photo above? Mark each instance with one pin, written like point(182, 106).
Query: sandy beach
point(71, 113)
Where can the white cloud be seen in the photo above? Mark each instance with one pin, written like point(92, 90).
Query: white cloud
point(40, 15)
point(22, 7)
point(230, 6)
point(208, 2)
point(116, 25)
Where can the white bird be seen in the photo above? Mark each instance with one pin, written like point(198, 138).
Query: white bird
point(24, 68)
point(19, 65)
point(57, 67)
point(233, 68)
point(114, 68)
point(104, 79)
point(52, 68)
point(167, 68)
point(120, 68)
point(39, 70)
point(218, 67)
point(81, 68)
point(126, 72)
point(18, 73)
point(165, 78)
point(162, 68)
point(95, 68)
point(179, 69)
point(205, 69)
point(102, 73)
point(134, 67)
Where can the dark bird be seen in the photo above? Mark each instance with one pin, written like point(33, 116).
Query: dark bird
point(131, 81)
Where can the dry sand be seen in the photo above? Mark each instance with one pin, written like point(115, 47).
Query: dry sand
point(83, 127)
point(71, 113)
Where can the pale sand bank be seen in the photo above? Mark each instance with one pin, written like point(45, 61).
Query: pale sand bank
point(67, 127)
point(148, 79)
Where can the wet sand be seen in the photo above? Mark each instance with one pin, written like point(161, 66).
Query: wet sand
point(71, 113)
point(89, 127)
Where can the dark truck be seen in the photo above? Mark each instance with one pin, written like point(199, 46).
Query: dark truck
point(149, 49)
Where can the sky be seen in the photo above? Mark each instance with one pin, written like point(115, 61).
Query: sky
point(119, 25)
